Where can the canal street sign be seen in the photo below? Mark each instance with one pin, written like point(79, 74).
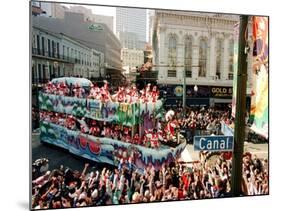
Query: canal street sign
point(213, 143)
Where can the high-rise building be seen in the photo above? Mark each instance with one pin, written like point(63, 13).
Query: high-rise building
point(131, 20)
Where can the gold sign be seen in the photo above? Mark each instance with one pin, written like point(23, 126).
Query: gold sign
point(221, 91)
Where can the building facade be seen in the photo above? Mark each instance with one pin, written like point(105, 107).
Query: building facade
point(131, 20)
point(56, 55)
point(128, 40)
point(92, 35)
point(132, 58)
point(197, 46)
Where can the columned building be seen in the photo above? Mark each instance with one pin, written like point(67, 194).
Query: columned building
point(198, 46)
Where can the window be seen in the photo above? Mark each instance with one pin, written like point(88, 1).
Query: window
point(53, 48)
point(33, 41)
point(34, 75)
point(43, 73)
point(231, 55)
point(172, 56)
point(202, 57)
point(63, 52)
point(38, 45)
point(58, 50)
point(188, 57)
point(219, 60)
point(79, 57)
point(50, 72)
point(43, 45)
point(49, 48)
point(39, 73)
point(67, 53)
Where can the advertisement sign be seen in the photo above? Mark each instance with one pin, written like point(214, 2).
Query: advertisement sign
point(221, 91)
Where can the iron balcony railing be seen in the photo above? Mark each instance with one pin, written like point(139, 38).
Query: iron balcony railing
point(53, 55)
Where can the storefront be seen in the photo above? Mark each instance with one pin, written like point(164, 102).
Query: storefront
point(196, 96)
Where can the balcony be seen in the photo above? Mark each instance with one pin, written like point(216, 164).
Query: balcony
point(52, 55)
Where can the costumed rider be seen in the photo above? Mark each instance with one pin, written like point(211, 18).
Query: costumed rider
point(94, 130)
point(50, 88)
point(78, 91)
point(62, 89)
point(105, 94)
point(154, 94)
point(171, 126)
point(95, 92)
point(155, 139)
point(134, 94)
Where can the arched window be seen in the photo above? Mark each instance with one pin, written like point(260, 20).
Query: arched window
point(203, 47)
point(188, 57)
point(219, 60)
point(172, 56)
point(231, 55)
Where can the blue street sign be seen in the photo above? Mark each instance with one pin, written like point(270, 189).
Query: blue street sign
point(213, 143)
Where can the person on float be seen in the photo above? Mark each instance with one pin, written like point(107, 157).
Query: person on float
point(62, 89)
point(83, 126)
point(137, 139)
point(155, 139)
point(94, 130)
point(148, 92)
point(134, 94)
point(154, 94)
point(106, 97)
point(120, 95)
point(148, 136)
point(171, 125)
point(49, 88)
point(78, 91)
point(143, 98)
point(95, 92)
point(128, 95)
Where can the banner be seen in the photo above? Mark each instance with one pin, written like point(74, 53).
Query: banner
point(235, 68)
point(259, 93)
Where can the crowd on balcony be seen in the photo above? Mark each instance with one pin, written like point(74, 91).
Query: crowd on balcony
point(129, 94)
point(65, 188)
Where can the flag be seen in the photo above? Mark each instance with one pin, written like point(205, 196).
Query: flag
point(259, 92)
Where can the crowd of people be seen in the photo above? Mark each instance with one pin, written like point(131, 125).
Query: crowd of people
point(128, 94)
point(63, 187)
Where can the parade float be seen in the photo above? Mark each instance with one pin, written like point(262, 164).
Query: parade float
point(70, 122)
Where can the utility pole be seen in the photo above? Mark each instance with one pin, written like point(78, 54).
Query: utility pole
point(239, 129)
